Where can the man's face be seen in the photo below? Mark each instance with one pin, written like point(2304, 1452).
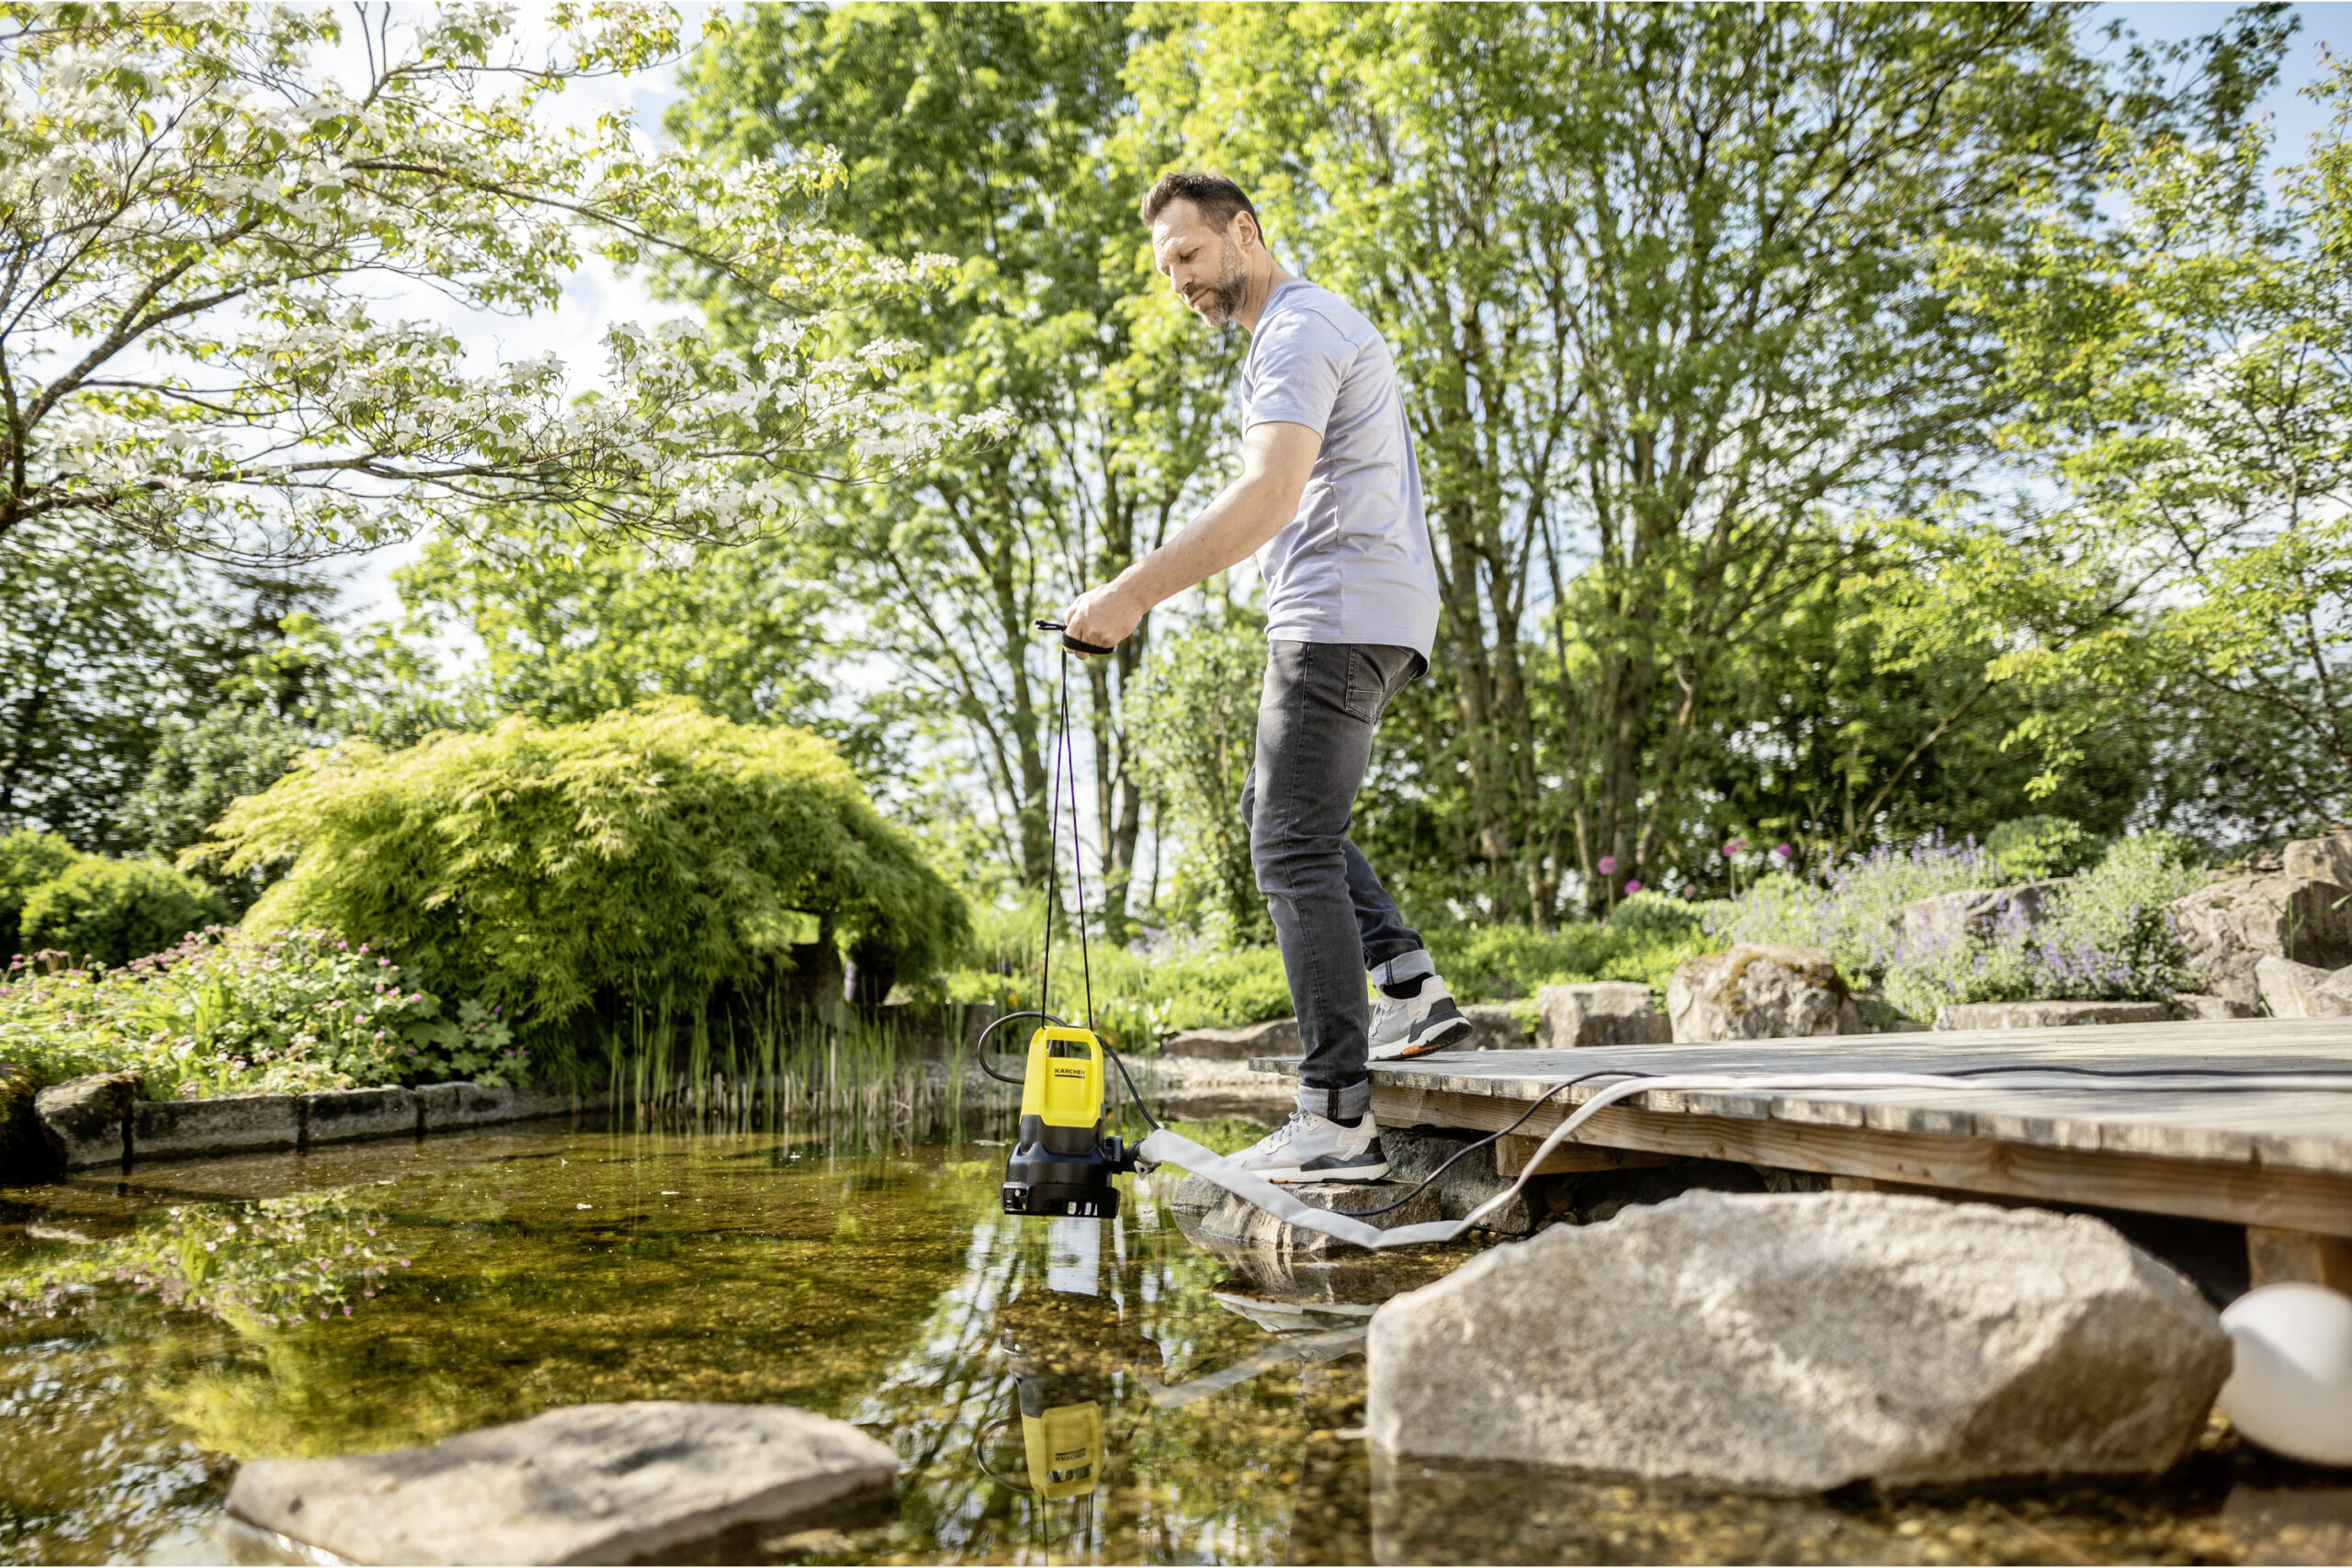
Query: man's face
point(1205, 266)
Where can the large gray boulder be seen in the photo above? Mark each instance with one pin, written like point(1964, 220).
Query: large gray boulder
point(1948, 916)
point(2227, 927)
point(1604, 1012)
point(1760, 993)
point(82, 1119)
point(2320, 860)
point(2300, 990)
point(588, 1484)
point(1799, 1343)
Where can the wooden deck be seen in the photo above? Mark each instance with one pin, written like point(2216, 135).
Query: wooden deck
point(2278, 1161)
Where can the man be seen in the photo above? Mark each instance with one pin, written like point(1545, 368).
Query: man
point(1330, 494)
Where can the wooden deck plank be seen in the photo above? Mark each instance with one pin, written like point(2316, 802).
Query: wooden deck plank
point(2315, 1201)
point(2280, 1159)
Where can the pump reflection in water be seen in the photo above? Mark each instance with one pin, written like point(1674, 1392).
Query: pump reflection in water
point(1072, 1354)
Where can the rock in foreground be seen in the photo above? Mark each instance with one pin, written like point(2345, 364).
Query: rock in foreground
point(589, 1484)
point(1760, 993)
point(1798, 1343)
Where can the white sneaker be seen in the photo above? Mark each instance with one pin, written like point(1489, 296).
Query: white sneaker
point(1416, 1025)
point(1308, 1147)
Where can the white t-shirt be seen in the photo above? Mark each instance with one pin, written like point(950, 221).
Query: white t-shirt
point(1355, 565)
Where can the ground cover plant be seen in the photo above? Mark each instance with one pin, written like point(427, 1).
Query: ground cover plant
point(228, 1011)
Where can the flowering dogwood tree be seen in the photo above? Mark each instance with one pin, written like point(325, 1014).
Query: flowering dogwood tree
point(199, 223)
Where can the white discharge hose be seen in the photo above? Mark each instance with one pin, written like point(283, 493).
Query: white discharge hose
point(1167, 1147)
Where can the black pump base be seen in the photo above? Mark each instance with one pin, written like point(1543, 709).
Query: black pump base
point(1058, 1197)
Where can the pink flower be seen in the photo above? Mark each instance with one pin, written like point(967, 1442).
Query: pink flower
point(1689, 890)
point(1608, 865)
point(1783, 853)
point(1733, 848)
point(1633, 886)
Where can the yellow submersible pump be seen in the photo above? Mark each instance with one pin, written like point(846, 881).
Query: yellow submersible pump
point(1064, 1155)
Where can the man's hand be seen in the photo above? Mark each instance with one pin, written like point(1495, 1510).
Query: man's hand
point(1275, 461)
point(1104, 616)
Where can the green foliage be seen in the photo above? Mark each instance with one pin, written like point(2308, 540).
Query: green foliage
point(231, 1012)
point(656, 853)
point(1193, 718)
point(109, 912)
point(1667, 472)
point(27, 859)
point(2032, 848)
point(2186, 394)
point(1849, 912)
point(573, 626)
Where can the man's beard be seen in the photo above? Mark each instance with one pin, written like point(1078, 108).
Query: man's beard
point(1217, 302)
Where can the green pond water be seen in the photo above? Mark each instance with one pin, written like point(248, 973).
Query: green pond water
point(167, 1328)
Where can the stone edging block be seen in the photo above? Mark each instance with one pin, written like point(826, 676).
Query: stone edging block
point(99, 1121)
point(340, 1115)
point(233, 1123)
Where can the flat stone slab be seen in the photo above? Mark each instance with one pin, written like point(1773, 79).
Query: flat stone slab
point(588, 1484)
point(81, 1120)
point(1238, 1221)
point(340, 1115)
point(1271, 1038)
point(2049, 1015)
point(233, 1123)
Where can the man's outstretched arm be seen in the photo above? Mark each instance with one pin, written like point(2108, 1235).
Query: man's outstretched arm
point(1275, 461)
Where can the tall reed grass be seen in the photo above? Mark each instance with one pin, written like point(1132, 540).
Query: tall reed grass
point(769, 1069)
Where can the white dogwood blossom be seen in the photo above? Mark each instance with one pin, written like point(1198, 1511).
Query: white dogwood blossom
point(196, 230)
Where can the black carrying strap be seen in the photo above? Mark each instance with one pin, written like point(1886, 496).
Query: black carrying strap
point(1063, 760)
point(1071, 645)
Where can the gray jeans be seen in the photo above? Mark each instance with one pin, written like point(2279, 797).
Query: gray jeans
point(1331, 917)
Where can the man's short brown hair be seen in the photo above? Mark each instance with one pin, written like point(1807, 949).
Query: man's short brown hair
point(1217, 199)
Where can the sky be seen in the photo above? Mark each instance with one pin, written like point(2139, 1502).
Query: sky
point(597, 297)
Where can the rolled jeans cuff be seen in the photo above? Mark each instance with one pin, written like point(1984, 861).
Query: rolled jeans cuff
point(1413, 965)
point(1349, 1104)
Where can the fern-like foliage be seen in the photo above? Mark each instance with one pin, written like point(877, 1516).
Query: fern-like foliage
point(654, 853)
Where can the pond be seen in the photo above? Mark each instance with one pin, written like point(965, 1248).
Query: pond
point(1203, 1408)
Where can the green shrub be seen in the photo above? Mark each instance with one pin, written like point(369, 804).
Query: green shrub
point(656, 853)
point(233, 1011)
point(27, 859)
point(2031, 849)
point(111, 912)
